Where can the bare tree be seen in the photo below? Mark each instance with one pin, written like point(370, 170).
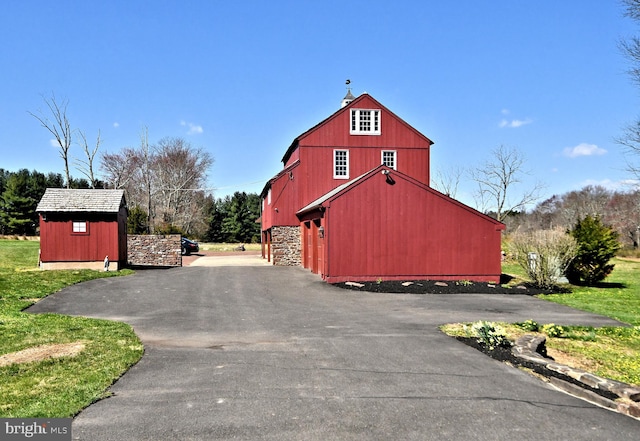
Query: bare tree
point(497, 179)
point(60, 128)
point(167, 179)
point(120, 168)
point(447, 182)
point(86, 166)
point(180, 172)
point(630, 139)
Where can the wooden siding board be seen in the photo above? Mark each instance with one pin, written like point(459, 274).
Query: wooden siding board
point(312, 155)
point(415, 233)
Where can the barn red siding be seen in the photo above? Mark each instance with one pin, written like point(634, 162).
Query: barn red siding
point(59, 244)
point(285, 199)
point(311, 159)
point(407, 231)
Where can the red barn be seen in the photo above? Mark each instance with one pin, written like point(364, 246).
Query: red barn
point(80, 228)
point(353, 203)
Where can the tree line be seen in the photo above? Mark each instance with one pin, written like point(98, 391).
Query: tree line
point(618, 209)
point(229, 219)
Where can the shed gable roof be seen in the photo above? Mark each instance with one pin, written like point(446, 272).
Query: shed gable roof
point(81, 200)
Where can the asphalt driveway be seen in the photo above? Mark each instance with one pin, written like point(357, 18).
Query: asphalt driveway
point(273, 353)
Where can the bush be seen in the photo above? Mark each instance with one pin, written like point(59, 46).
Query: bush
point(544, 254)
point(489, 334)
point(597, 245)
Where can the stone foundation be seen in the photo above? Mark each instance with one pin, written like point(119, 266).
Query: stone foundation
point(154, 250)
point(285, 246)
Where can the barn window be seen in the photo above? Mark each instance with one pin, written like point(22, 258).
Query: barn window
point(341, 164)
point(389, 158)
point(365, 122)
point(80, 227)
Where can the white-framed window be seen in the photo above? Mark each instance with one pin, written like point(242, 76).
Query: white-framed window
point(365, 122)
point(269, 197)
point(341, 164)
point(79, 227)
point(389, 158)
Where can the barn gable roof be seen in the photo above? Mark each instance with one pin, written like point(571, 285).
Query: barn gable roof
point(81, 200)
point(338, 191)
point(354, 103)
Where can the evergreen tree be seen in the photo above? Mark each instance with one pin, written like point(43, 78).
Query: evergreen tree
point(18, 204)
point(215, 211)
point(239, 224)
point(137, 221)
point(597, 245)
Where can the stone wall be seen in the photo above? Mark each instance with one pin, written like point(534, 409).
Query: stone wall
point(285, 246)
point(154, 250)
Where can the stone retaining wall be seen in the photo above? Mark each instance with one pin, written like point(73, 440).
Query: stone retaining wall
point(154, 250)
point(285, 246)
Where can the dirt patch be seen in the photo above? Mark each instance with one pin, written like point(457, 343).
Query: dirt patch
point(43, 352)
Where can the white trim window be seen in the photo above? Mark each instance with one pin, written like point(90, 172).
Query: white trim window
point(79, 227)
point(365, 122)
point(341, 164)
point(389, 159)
point(269, 197)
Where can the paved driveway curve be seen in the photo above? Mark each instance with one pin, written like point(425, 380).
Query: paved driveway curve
point(271, 353)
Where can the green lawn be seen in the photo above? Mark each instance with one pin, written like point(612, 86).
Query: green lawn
point(57, 387)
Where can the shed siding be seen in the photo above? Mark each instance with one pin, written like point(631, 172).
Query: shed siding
point(406, 231)
point(58, 244)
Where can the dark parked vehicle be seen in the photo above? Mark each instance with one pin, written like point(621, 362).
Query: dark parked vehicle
point(189, 246)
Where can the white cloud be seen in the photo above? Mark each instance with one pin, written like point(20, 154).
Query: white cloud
point(116, 125)
point(583, 149)
point(194, 129)
point(514, 123)
point(54, 143)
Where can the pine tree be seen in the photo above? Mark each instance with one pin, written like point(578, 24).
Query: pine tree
point(597, 245)
point(18, 204)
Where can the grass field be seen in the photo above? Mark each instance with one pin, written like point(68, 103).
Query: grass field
point(55, 387)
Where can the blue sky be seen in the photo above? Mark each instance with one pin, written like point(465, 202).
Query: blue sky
point(243, 79)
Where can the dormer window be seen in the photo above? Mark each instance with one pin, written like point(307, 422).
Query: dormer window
point(365, 122)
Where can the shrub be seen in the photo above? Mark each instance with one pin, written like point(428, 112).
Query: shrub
point(544, 254)
point(597, 245)
point(489, 334)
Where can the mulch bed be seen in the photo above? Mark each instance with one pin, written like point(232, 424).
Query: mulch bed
point(506, 356)
point(445, 287)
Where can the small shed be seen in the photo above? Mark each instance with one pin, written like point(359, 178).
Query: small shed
point(386, 225)
point(81, 228)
